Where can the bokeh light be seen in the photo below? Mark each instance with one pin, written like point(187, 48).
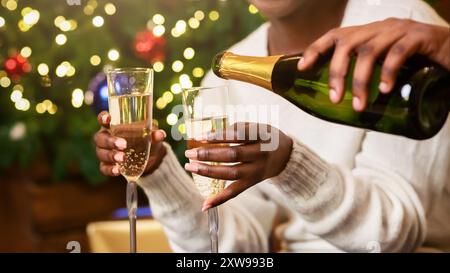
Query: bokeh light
point(158, 19)
point(158, 66)
point(61, 39)
point(214, 15)
point(189, 53)
point(98, 21)
point(113, 55)
point(172, 119)
point(43, 69)
point(95, 60)
point(110, 9)
point(177, 66)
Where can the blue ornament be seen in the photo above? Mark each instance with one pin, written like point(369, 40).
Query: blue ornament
point(99, 87)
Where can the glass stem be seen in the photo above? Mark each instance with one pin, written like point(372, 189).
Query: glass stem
point(132, 208)
point(213, 222)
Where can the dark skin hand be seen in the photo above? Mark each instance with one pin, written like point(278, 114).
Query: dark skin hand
point(253, 164)
point(109, 148)
point(398, 39)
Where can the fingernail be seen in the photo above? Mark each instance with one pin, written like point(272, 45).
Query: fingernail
point(191, 153)
point(384, 88)
point(356, 103)
point(105, 118)
point(301, 63)
point(191, 167)
point(333, 95)
point(120, 143)
point(119, 157)
point(115, 170)
point(206, 207)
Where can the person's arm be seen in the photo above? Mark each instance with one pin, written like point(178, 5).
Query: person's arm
point(382, 199)
point(397, 39)
point(244, 224)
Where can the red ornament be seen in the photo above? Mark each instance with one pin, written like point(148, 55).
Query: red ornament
point(16, 65)
point(149, 47)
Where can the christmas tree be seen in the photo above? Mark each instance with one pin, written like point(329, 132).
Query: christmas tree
point(52, 61)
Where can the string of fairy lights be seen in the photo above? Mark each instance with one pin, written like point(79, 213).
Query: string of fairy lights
point(156, 24)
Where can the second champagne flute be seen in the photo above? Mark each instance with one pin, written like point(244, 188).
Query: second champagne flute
point(205, 111)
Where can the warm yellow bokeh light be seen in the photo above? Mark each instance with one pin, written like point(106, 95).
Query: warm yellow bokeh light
point(110, 9)
point(58, 20)
point(18, 87)
point(182, 128)
point(167, 97)
point(214, 15)
point(189, 53)
point(65, 26)
point(61, 39)
point(5, 82)
point(199, 15)
point(25, 11)
point(158, 66)
point(16, 95)
point(77, 98)
point(98, 21)
point(198, 72)
point(172, 119)
point(31, 17)
point(158, 19)
point(185, 81)
point(175, 33)
point(88, 10)
point(22, 104)
point(70, 71)
point(43, 69)
point(73, 24)
point(26, 51)
point(159, 30)
point(194, 23)
point(252, 9)
point(175, 88)
point(40, 108)
point(95, 60)
point(47, 104)
point(11, 5)
point(22, 26)
point(52, 110)
point(61, 70)
point(180, 26)
point(113, 55)
point(177, 66)
point(160, 103)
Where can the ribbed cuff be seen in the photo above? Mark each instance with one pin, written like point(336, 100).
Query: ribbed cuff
point(305, 172)
point(169, 187)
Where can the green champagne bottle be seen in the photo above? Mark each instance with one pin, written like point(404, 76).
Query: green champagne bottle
point(416, 108)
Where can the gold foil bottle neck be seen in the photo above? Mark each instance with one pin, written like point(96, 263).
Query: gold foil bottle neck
point(254, 70)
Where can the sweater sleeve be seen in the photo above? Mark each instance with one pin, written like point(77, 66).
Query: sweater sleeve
point(381, 200)
point(176, 203)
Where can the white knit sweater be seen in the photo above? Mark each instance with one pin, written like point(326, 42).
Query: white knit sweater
point(343, 189)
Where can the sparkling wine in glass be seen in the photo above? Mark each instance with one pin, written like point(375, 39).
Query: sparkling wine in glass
point(130, 106)
point(205, 112)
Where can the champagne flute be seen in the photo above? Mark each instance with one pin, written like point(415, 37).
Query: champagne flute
point(130, 105)
point(204, 112)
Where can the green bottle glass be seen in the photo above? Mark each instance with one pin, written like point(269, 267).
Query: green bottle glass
point(416, 108)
